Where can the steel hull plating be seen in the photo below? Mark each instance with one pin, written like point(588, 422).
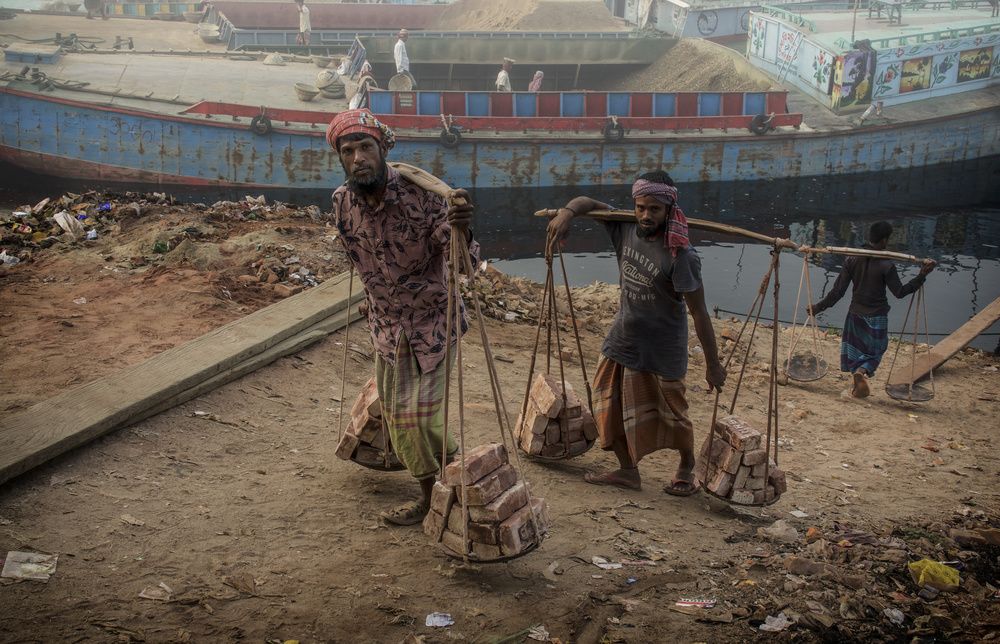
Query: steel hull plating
point(71, 139)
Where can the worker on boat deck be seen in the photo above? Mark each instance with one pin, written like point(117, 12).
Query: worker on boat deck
point(536, 82)
point(503, 77)
point(305, 27)
point(866, 329)
point(402, 60)
point(398, 236)
point(639, 391)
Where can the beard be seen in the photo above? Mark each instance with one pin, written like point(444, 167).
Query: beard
point(646, 233)
point(369, 185)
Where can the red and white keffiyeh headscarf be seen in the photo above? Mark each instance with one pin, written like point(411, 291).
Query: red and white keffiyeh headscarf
point(362, 120)
point(676, 238)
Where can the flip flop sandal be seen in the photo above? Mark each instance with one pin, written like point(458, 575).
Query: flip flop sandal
point(609, 479)
point(409, 514)
point(672, 488)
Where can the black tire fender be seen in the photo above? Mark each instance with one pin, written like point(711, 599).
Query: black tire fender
point(451, 138)
point(260, 125)
point(760, 124)
point(613, 133)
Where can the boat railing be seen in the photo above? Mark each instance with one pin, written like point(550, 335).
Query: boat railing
point(576, 103)
point(790, 16)
point(579, 109)
point(925, 37)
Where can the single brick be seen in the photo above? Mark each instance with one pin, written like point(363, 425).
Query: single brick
point(434, 525)
point(742, 496)
point(348, 443)
point(481, 532)
point(777, 479)
point(455, 541)
point(590, 431)
point(479, 461)
point(553, 432)
point(489, 487)
point(517, 532)
point(741, 476)
point(547, 394)
point(755, 457)
point(501, 507)
point(720, 483)
point(738, 433)
point(535, 422)
point(532, 443)
point(442, 498)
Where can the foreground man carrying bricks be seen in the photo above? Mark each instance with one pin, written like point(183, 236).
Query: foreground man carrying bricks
point(398, 235)
point(639, 402)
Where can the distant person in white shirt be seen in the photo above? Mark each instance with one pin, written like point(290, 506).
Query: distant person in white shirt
point(305, 27)
point(503, 78)
point(402, 60)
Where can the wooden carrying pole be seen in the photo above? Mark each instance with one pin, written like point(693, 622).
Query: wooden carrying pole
point(726, 229)
point(696, 224)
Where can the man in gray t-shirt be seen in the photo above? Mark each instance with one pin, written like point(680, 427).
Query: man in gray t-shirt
point(640, 406)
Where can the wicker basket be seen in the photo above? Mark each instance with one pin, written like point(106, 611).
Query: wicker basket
point(400, 83)
point(306, 92)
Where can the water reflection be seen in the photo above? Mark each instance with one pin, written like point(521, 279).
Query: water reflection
point(948, 214)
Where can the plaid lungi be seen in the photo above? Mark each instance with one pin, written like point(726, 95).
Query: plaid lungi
point(865, 341)
point(650, 411)
point(413, 408)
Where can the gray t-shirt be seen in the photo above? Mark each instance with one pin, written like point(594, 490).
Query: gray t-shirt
point(650, 332)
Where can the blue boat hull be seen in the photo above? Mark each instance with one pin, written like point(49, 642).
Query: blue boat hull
point(72, 139)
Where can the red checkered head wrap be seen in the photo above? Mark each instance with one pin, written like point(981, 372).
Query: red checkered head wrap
point(363, 121)
point(676, 238)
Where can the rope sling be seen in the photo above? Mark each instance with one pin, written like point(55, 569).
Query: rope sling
point(549, 316)
point(804, 366)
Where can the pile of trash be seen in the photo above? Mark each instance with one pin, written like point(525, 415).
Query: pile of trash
point(913, 583)
point(257, 244)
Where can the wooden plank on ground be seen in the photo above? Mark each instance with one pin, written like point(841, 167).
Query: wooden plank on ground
point(947, 347)
point(75, 417)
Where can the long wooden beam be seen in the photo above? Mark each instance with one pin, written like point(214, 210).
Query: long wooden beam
point(948, 347)
point(79, 415)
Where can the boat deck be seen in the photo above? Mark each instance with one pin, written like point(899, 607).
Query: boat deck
point(179, 75)
point(912, 23)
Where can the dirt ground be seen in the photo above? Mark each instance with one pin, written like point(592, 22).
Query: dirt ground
point(236, 503)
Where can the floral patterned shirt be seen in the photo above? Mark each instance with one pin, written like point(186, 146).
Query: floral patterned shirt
point(400, 250)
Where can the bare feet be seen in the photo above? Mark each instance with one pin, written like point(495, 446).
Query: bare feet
point(628, 479)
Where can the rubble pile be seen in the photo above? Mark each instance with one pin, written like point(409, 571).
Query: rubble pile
point(242, 239)
point(930, 581)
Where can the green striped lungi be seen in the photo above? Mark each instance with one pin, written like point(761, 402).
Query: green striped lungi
point(413, 408)
point(650, 411)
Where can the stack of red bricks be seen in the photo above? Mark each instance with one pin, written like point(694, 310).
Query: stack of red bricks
point(366, 439)
point(736, 465)
point(500, 507)
point(554, 426)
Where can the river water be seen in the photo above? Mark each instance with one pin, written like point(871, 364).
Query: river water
point(949, 214)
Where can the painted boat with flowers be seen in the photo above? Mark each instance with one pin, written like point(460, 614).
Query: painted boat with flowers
point(858, 106)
